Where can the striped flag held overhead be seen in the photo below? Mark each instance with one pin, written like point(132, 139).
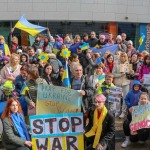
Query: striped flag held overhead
point(32, 29)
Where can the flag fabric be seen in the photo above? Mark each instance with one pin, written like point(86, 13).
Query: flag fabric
point(101, 79)
point(84, 46)
point(32, 29)
point(141, 39)
point(65, 77)
point(24, 89)
point(73, 48)
point(111, 48)
point(98, 60)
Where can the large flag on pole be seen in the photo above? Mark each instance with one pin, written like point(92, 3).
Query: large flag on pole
point(32, 29)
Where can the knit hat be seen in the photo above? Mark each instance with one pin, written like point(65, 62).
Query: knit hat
point(102, 37)
point(140, 55)
point(100, 98)
point(6, 58)
point(38, 51)
point(119, 37)
point(130, 42)
point(19, 51)
point(8, 85)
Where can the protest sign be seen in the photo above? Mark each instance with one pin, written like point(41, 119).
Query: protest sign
point(115, 94)
point(116, 58)
point(125, 68)
point(56, 99)
point(140, 117)
point(57, 131)
point(147, 79)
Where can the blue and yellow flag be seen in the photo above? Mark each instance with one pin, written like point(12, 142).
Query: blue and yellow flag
point(101, 79)
point(32, 29)
point(65, 77)
point(24, 89)
point(84, 46)
point(141, 39)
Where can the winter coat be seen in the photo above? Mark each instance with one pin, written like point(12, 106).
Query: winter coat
point(108, 128)
point(6, 71)
point(144, 70)
point(132, 97)
point(10, 136)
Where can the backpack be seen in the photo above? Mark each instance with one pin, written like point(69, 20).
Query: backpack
point(55, 64)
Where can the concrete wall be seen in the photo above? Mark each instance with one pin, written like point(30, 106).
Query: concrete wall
point(81, 10)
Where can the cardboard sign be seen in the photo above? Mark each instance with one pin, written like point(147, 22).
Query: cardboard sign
point(57, 131)
point(147, 79)
point(115, 94)
point(125, 68)
point(140, 117)
point(56, 99)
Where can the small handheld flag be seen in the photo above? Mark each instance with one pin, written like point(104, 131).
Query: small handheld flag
point(84, 46)
point(24, 89)
point(141, 39)
point(65, 77)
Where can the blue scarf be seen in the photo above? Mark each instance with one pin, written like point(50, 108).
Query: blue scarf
point(20, 125)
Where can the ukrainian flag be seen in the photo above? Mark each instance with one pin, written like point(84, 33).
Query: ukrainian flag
point(32, 29)
point(141, 39)
point(24, 89)
point(84, 46)
point(101, 79)
point(65, 77)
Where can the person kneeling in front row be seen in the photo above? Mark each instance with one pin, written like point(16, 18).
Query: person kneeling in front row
point(135, 136)
point(101, 127)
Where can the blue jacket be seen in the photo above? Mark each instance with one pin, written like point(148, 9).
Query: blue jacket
point(132, 97)
point(19, 82)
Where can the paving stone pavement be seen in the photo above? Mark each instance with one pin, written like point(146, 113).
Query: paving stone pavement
point(120, 138)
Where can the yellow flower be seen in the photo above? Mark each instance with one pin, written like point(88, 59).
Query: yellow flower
point(65, 53)
point(43, 56)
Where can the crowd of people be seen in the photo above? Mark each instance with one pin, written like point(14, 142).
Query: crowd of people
point(90, 73)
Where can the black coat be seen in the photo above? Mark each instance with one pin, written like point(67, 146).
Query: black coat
point(108, 129)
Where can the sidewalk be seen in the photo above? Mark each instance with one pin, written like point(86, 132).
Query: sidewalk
point(120, 138)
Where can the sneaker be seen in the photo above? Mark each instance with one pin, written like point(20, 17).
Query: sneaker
point(122, 115)
point(141, 142)
point(125, 143)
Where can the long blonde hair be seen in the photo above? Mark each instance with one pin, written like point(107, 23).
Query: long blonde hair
point(12, 58)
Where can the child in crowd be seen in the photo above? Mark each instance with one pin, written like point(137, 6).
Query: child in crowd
point(132, 97)
point(140, 135)
point(104, 89)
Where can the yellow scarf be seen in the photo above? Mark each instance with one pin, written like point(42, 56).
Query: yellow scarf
point(97, 126)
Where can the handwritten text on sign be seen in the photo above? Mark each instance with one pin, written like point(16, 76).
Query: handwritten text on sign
point(59, 94)
point(140, 117)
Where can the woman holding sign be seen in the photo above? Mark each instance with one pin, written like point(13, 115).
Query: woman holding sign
point(15, 134)
point(100, 129)
point(140, 135)
point(120, 80)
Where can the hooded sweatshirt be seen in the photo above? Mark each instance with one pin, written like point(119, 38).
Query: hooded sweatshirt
point(132, 97)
